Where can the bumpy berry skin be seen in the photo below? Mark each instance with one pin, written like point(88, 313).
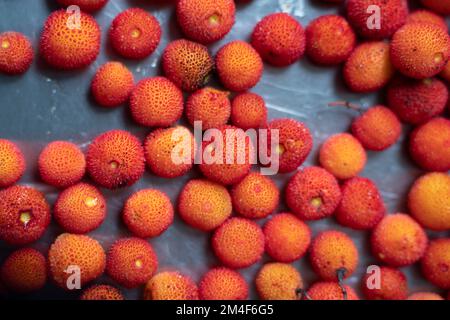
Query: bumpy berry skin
point(313, 193)
point(294, 146)
point(204, 205)
point(205, 21)
point(369, 67)
point(170, 152)
point(249, 111)
point(61, 164)
point(278, 281)
point(238, 243)
point(131, 262)
point(287, 238)
point(330, 291)
point(70, 48)
point(425, 16)
point(135, 33)
point(398, 240)
point(112, 84)
point(170, 285)
point(420, 50)
point(24, 270)
point(343, 156)
point(80, 208)
point(377, 129)
point(438, 6)
point(362, 206)
point(148, 213)
point(428, 201)
point(393, 285)
point(187, 64)
point(16, 53)
point(425, 296)
point(12, 163)
point(85, 5)
point(329, 40)
point(102, 292)
point(231, 163)
point(331, 251)
point(393, 15)
point(210, 106)
point(279, 39)
point(239, 66)
point(156, 102)
point(417, 101)
point(75, 250)
point(115, 159)
point(223, 284)
point(24, 215)
point(436, 263)
point(256, 196)
point(429, 145)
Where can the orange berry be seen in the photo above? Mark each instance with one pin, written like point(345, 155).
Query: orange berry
point(426, 16)
point(278, 281)
point(102, 292)
point(170, 285)
point(148, 213)
point(425, 296)
point(330, 291)
point(287, 238)
point(389, 284)
point(12, 163)
point(16, 53)
point(248, 111)
point(436, 263)
point(61, 164)
point(223, 284)
point(80, 208)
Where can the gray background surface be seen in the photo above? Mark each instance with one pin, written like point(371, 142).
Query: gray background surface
point(46, 105)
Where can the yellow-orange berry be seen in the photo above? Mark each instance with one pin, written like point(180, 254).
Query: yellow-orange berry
point(170, 285)
point(330, 291)
point(16, 53)
point(436, 263)
point(102, 292)
point(12, 163)
point(278, 281)
point(223, 284)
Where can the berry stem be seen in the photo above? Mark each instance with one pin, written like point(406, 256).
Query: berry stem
point(346, 104)
point(300, 292)
point(341, 275)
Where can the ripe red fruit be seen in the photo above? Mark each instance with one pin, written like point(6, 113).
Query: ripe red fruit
point(135, 33)
point(115, 159)
point(223, 284)
point(429, 145)
point(287, 238)
point(16, 53)
point(205, 21)
point(170, 285)
point(112, 84)
point(12, 163)
point(24, 270)
point(65, 46)
point(369, 67)
point(24, 215)
point(248, 111)
point(425, 16)
point(329, 40)
point(102, 292)
point(256, 196)
point(238, 243)
point(170, 152)
point(333, 254)
point(313, 193)
point(188, 64)
point(239, 66)
point(439, 6)
point(148, 213)
point(398, 240)
point(131, 262)
point(420, 50)
point(362, 206)
point(279, 39)
point(436, 263)
point(156, 102)
point(393, 15)
point(80, 208)
point(210, 106)
point(330, 291)
point(85, 5)
point(343, 156)
point(417, 101)
point(377, 129)
point(295, 143)
point(227, 158)
point(61, 164)
point(390, 284)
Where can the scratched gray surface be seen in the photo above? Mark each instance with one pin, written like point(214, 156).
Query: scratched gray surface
point(45, 105)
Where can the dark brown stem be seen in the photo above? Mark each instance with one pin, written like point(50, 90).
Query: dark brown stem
point(300, 292)
point(346, 104)
point(340, 276)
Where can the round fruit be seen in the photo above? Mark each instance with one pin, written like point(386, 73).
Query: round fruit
point(425, 296)
point(278, 281)
point(16, 53)
point(425, 16)
point(170, 285)
point(102, 292)
point(330, 291)
point(12, 163)
point(248, 111)
point(223, 284)
point(439, 6)
point(386, 284)
point(436, 263)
